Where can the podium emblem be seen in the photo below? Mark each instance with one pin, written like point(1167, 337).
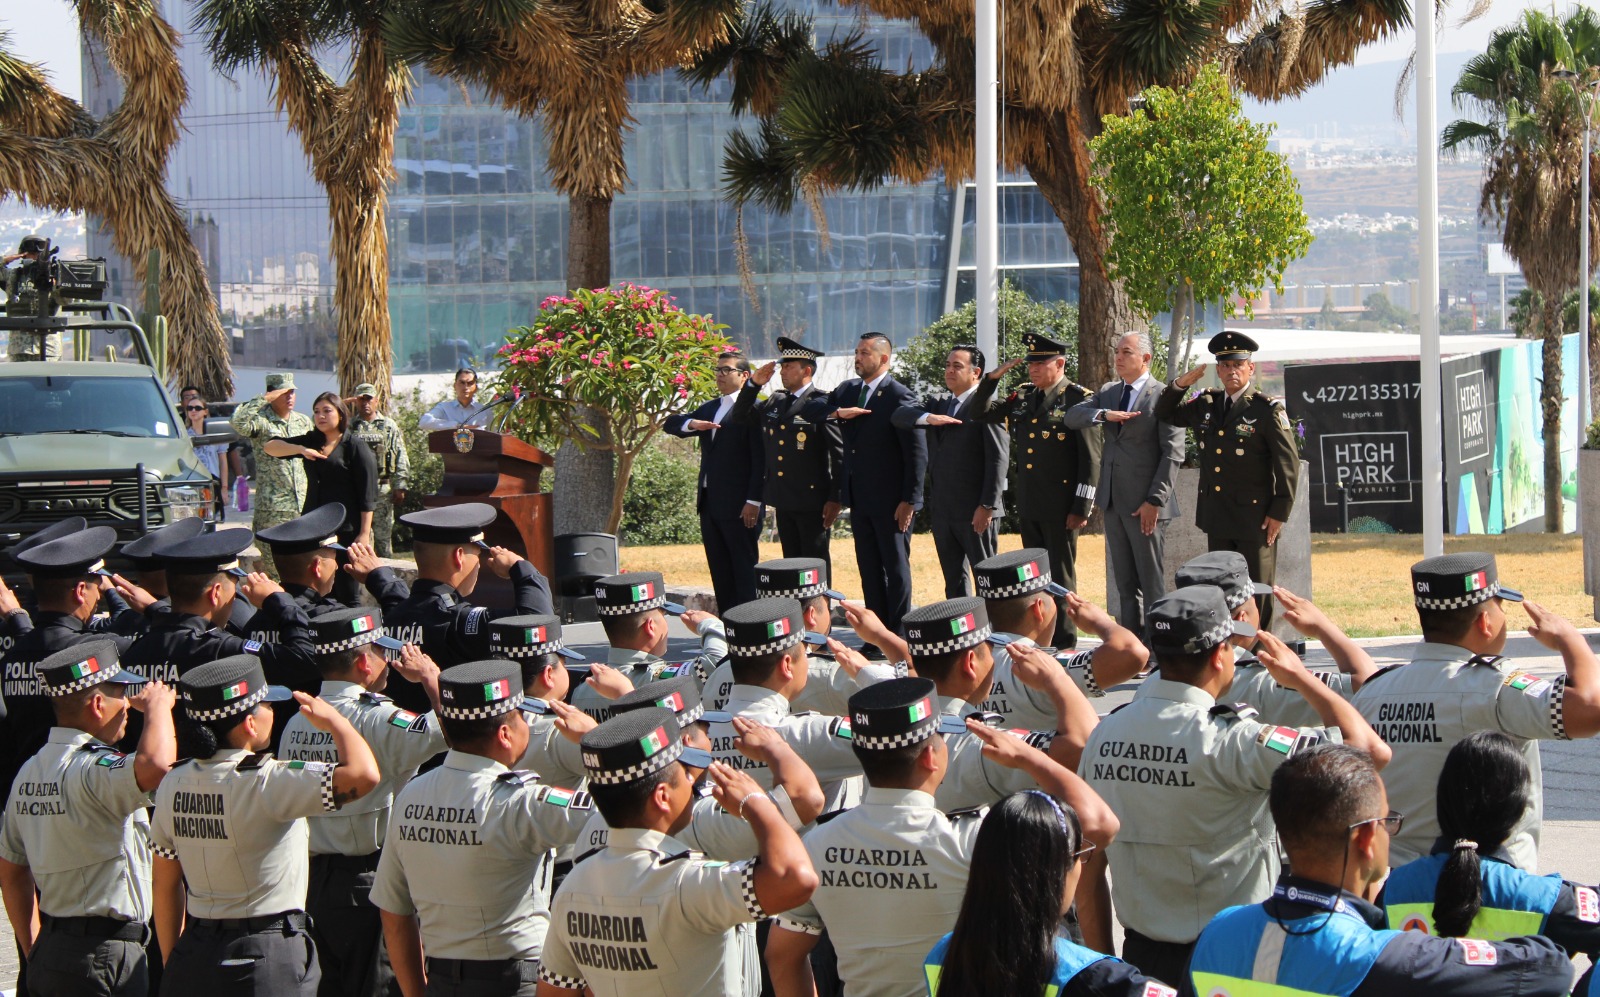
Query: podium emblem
point(463, 439)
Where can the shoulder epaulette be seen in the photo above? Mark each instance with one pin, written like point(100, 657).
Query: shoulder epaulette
point(830, 815)
point(1380, 673)
point(592, 851)
point(1121, 706)
point(966, 812)
point(675, 857)
point(1233, 711)
point(255, 761)
point(518, 777)
point(374, 697)
point(98, 746)
point(1492, 660)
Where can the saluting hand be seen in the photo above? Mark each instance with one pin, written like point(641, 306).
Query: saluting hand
point(936, 419)
point(1004, 369)
point(1192, 376)
point(1085, 614)
point(1000, 747)
point(414, 665)
point(501, 559)
point(701, 425)
point(154, 697)
point(756, 741)
point(1301, 613)
point(572, 722)
point(8, 600)
point(1117, 415)
point(136, 597)
point(1282, 664)
point(1035, 667)
point(851, 412)
point(607, 681)
point(762, 374)
point(1546, 627)
point(258, 586)
point(317, 711)
point(848, 658)
point(692, 618)
point(363, 561)
point(730, 787)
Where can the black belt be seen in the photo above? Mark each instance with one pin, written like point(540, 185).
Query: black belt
point(108, 928)
point(471, 969)
point(293, 919)
point(355, 863)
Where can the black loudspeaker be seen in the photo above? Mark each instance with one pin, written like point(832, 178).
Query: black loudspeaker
point(581, 559)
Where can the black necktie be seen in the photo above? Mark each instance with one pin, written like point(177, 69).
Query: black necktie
point(1227, 406)
point(1127, 396)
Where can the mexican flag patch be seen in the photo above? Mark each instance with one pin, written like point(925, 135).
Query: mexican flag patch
point(1279, 739)
point(362, 624)
point(88, 667)
point(920, 711)
point(498, 689)
point(402, 718)
point(235, 691)
point(1028, 572)
point(654, 741)
point(645, 592)
point(965, 624)
point(809, 576)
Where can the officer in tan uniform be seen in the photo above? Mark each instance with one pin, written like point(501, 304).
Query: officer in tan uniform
point(633, 609)
point(464, 881)
point(76, 829)
point(353, 655)
point(534, 643)
point(1249, 464)
point(230, 838)
point(647, 915)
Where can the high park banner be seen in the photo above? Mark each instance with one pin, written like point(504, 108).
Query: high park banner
point(1363, 440)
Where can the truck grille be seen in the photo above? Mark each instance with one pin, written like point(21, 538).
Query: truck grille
point(27, 504)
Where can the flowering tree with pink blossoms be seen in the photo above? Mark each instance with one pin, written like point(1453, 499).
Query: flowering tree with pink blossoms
point(605, 368)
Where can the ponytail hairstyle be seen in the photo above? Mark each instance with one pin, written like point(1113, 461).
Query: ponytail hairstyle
point(1004, 942)
point(202, 739)
point(1484, 789)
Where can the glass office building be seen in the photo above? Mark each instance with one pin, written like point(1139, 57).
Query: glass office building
point(478, 235)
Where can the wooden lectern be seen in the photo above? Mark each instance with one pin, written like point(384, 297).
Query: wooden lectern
point(501, 471)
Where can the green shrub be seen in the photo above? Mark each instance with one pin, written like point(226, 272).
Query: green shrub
point(659, 505)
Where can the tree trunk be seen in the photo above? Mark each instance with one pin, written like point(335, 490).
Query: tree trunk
point(1063, 175)
point(583, 476)
point(360, 250)
point(619, 489)
point(1175, 336)
point(1550, 407)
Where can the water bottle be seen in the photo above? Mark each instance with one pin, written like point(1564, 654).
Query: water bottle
point(241, 493)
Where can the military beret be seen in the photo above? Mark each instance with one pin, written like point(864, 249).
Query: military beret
point(348, 629)
point(788, 349)
point(69, 556)
point(1192, 619)
point(280, 379)
point(631, 746)
point(1232, 345)
point(1228, 571)
point(794, 577)
point(1016, 573)
point(763, 626)
point(83, 666)
point(205, 554)
point(142, 551)
point(480, 689)
point(527, 637)
point(317, 528)
point(55, 531)
point(898, 713)
point(451, 524)
point(942, 627)
point(220, 689)
point(681, 695)
point(1042, 347)
point(634, 592)
point(1456, 581)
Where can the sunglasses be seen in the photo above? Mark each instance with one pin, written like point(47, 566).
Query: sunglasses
point(1392, 823)
point(194, 408)
point(1082, 854)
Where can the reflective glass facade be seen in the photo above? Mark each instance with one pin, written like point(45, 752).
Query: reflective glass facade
point(478, 234)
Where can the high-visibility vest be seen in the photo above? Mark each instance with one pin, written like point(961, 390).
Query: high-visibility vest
point(1514, 903)
point(1245, 952)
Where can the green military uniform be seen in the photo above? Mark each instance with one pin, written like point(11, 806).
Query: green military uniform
point(388, 444)
point(22, 299)
point(1249, 464)
point(280, 484)
point(1056, 468)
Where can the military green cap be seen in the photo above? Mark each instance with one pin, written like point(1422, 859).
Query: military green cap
point(280, 379)
point(366, 391)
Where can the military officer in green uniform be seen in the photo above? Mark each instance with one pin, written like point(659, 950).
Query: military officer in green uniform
point(805, 459)
point(22, 298)
point(280, 484)
point(1189, 778)
point(646, 915)
point(464, 881)
point(388, 444)
point(1249, 464)
point(77, 832)
point(1057, 468)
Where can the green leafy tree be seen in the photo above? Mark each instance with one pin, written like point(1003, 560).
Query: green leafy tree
point(1327, 315)
point(1382, 312)
point(655, 512)
point(1528, 125)
point(604, 369)
point(1198, 208)
point(920, 363)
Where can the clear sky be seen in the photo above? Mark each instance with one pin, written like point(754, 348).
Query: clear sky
point(48, 34)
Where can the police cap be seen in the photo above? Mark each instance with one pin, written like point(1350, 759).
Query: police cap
point(348, 629)
point(788, 349)
point(480, 689)
point(142, 551)
point(451, 524)
point(763, 626)
point(70, 556)
point(794, 578)
point(633, 592)
point(1192, 619)
point(83, 666)
point(205, 554)
point(55, 531)
point(681, 695)
point(1456, 581)
point(228, 686)
point(898, 713)
point(527, 637)
point(1232, 345)
point(317, 528)
point(635, 745)
point(1228, 571)
point(942, 627)
point(1016, 573)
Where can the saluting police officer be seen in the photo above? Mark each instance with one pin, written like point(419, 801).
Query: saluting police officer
point(436, 617)
point(677, 911)
point(230, 837)
point(76, 829)
point(805, 459)
point(885, 914)
point(464, 881)
point(1249, 465)
point(1457, 682)
point(151, 572)
point(1059, 467)
point(1021, 599)
point(1188, 777)
point(307, 553)
point(633, 611)
point(534, 643)
point(353, 654)
point(1252, 683)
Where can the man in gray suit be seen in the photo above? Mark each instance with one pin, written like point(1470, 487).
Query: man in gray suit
point(966, 471)
point(1138, 468)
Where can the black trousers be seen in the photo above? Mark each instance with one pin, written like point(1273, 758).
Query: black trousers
point(1164, 961)
point(345, 587)
point(959, 548)
point(1052, 534)
point(883, 553)
point(731, 553)
point(89, 957)
point(1262, 561)
point(255, 957)
point(802, 535)
point(347, 928)
point(483, 977)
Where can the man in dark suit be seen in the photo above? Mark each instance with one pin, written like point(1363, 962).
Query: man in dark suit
point(968, 460)
point(1139, 463)
point(804, 460)
point(883, 468)
point(728, 498)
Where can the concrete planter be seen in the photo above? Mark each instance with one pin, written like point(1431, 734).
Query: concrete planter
point(1589, 495)
point(1185, 541)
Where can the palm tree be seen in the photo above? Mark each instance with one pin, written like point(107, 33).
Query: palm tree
point(570, 62)
point(56, 155)
point(347, 131)
point(1528, 125)
point(839, 119)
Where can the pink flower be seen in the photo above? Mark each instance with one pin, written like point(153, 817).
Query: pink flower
point(683, 393)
